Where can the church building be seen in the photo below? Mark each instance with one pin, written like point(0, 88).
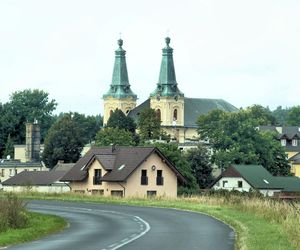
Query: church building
point(178, 114)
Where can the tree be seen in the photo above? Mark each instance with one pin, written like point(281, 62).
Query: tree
point(29, 105)
point(235, 139)
point(280, 115)
point(261, 114)
point(7, 126)
point(64, 141)
point(119, 120)
point(9, 147)
point(199, 159)
point(174, 154)
point(90, 125)
point(272, 155)
point(24, 106)
point(116, 136)
point(149, 124)
point(293, 116)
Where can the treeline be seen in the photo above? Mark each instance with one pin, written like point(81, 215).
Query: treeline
point(286, 116)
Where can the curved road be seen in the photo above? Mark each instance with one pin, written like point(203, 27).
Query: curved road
point(109, 227)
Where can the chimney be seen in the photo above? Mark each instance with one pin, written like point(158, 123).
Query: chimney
point(33, 142)
point(113, 148)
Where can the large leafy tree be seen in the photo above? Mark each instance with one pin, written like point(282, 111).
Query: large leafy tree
point(89, 124)
point(149, 124)
point(119, 120)
point(235, 139)
point(116, 136)
point(199, 159)
point(261, 115)
point(293, 116)
point(65, 139)
point(25, 106)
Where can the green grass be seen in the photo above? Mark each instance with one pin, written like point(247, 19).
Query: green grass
point(39, 225)
point(258, 223)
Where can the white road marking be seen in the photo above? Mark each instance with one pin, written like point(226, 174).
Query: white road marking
point(147, 228)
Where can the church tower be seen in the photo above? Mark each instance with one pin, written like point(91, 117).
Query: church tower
point(119, 95)
point(167, 99)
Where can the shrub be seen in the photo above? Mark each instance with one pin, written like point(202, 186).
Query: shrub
point(13, 213)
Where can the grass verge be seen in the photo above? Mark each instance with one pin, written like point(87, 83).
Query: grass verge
point(39, 225)
point(258, 223)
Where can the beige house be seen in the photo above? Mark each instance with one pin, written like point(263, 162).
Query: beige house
point(124, 172)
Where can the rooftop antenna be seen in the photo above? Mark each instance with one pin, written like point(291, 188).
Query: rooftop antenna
point(120, 35)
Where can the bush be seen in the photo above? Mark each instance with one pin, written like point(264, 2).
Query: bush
point(13, 213)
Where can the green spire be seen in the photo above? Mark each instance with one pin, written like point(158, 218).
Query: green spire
point(120, 87)
point(167, 85)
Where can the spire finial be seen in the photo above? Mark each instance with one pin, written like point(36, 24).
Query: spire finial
point(167, 39)
point(120, 42)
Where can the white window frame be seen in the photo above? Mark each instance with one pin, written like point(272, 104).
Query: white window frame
point(283, 142)
point(295, 142)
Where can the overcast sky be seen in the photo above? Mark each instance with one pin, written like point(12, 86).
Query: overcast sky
point(245, 52)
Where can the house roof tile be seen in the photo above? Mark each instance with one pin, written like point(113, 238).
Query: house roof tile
point(121, 163)
point(289, 183)
point(34, 178)
point(256, 175)
point(259, 178)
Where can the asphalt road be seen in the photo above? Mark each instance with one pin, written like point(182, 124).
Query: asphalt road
point(107, 227)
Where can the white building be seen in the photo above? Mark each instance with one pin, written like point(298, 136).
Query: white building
point(245, 178)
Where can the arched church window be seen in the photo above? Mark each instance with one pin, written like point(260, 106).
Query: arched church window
point(158, 114)
point(175, 115)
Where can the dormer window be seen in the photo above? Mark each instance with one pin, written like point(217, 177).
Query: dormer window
point(295, 142)
point(283, 142)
